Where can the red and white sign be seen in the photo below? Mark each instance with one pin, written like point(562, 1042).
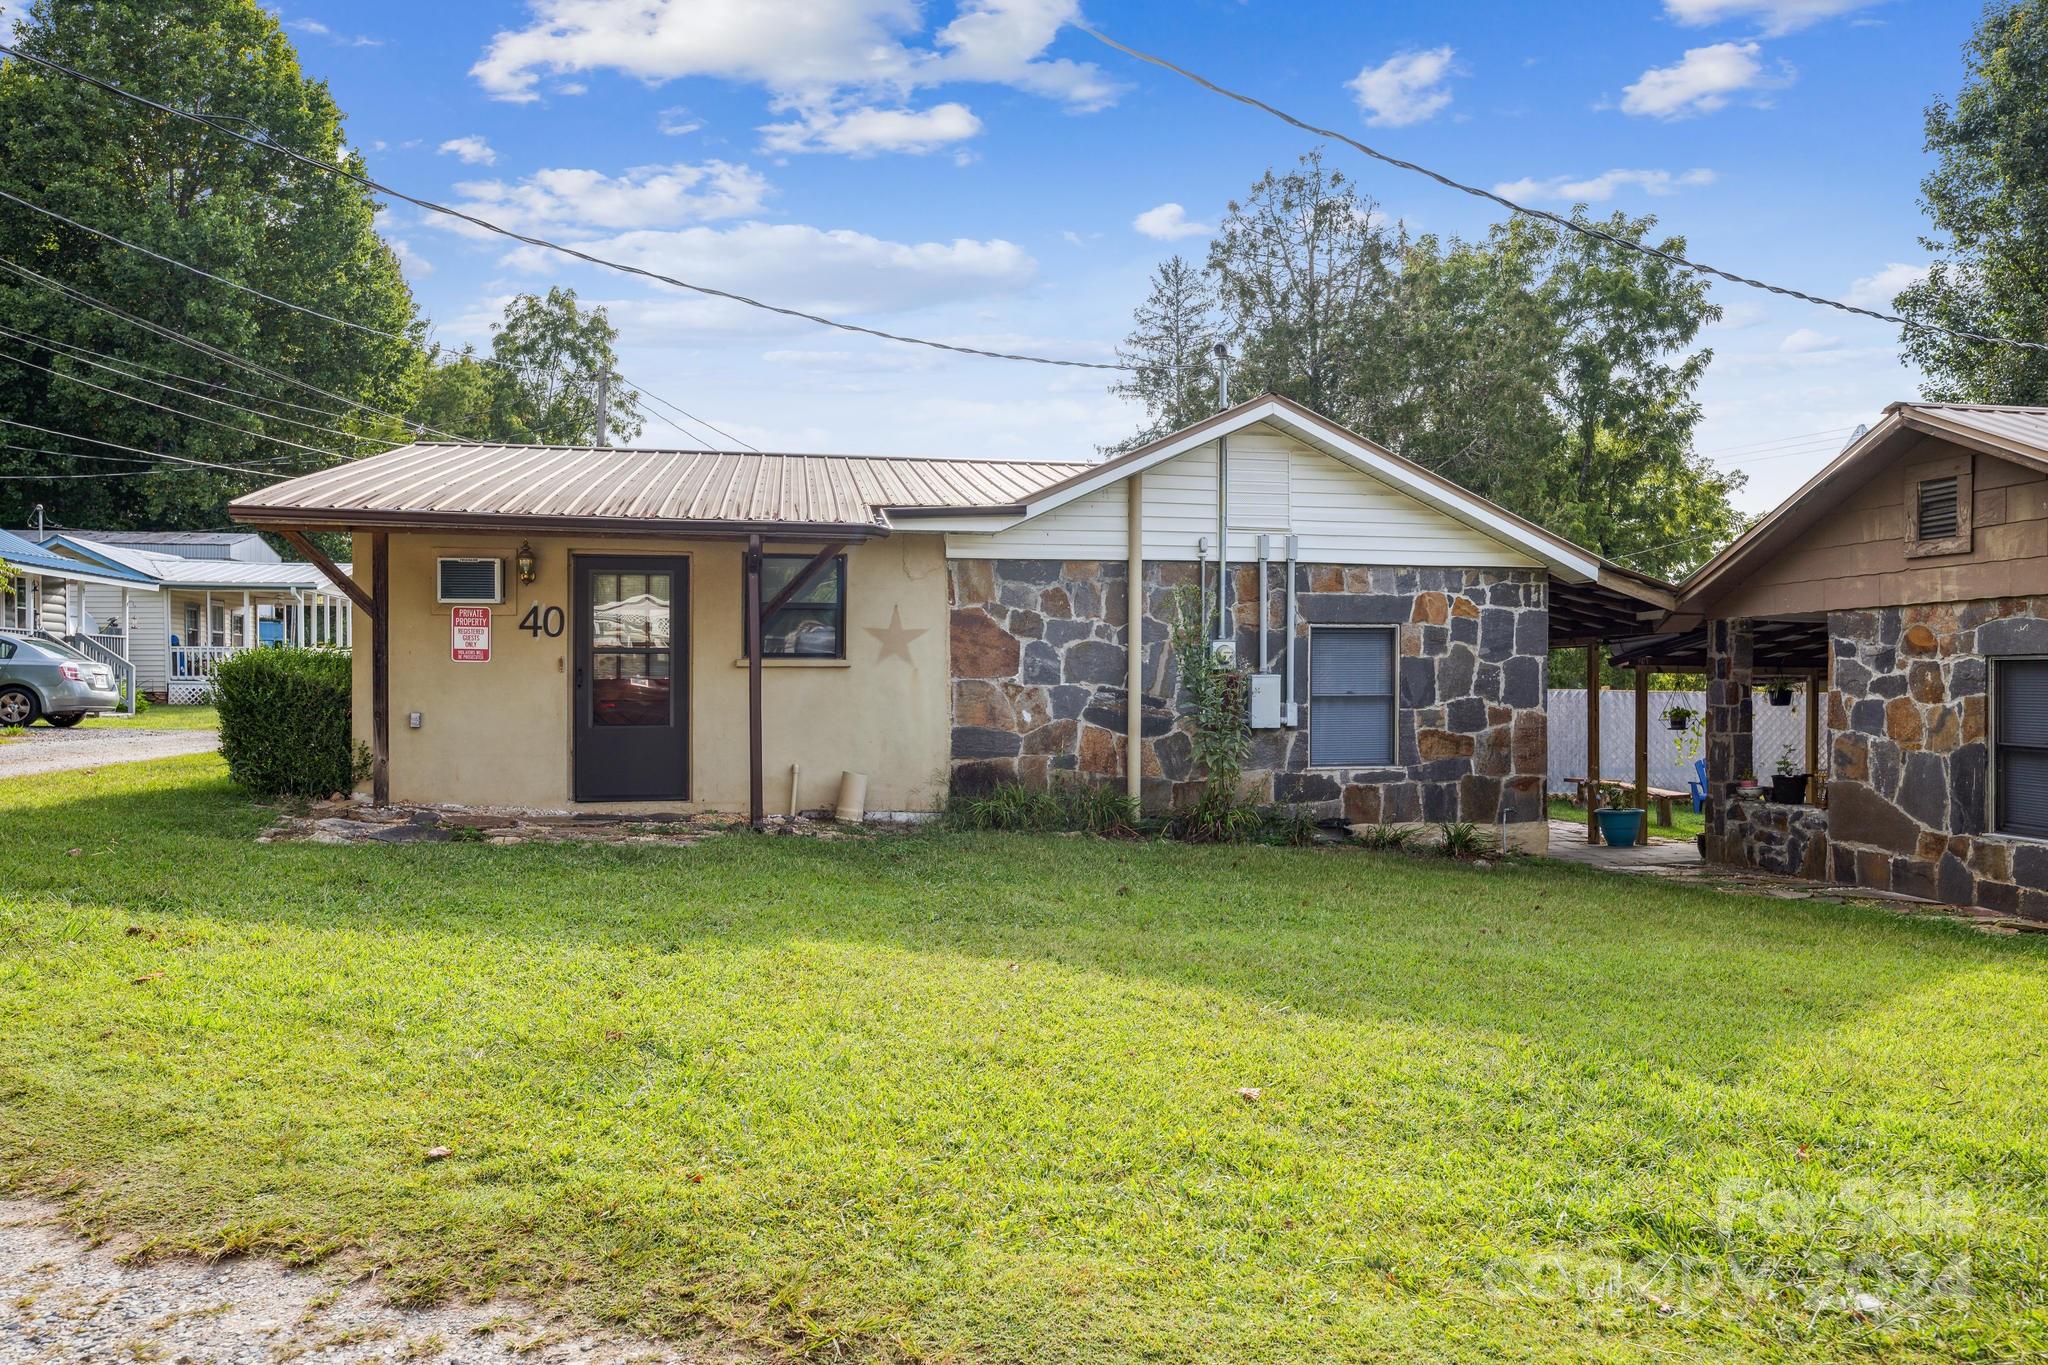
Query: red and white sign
point(469, 635)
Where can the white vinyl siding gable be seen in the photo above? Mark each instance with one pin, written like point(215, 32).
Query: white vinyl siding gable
point(145, 629)
point(1279, 485)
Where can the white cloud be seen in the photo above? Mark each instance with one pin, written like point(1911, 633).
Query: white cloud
point(1806, 341)
point(414, 263)
point(1406, 88)
point(1600, 188)
point(1878, 290)
point(1774, 16)
point(837, 272)
point(845, 69)
point(1168, 223)
point(471, 150)
point(572, 88)
point(864, 132)
point(643, 197)
point(312, 26)
point(1704, 80)
point(675, 121)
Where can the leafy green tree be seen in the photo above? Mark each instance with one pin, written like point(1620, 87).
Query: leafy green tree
point(196, 196)
point(1988, 199)
point(457, 394)
point(1174, 374)
point(549, 352)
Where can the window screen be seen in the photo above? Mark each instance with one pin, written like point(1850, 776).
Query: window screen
point(1351, 697)
point(2022, 735)
point(812, 624)
point(1937, 512)
point(470, 580)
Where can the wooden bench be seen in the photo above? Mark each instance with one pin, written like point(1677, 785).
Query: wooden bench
point(1660, 796)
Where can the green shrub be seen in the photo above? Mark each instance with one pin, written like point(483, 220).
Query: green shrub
point(284, 722)
point(1387, 837)
point(1094, 808)
point(1462, 839)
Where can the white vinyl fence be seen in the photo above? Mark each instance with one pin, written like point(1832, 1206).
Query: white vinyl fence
point(1670, 761)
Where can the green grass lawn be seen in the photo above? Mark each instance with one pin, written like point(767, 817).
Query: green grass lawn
point(1685, 822)
point(967, 1098)
point(158, 718)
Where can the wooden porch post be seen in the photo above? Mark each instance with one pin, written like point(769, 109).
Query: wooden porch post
point(1592, 743)
point(1643, 750)
point(248, 621)
point(756, 813)
point(380, 668)
point(1815, 695)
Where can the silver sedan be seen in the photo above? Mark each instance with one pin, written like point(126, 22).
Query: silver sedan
point(43, 678)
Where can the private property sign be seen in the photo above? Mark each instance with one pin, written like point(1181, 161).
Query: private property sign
point(469, 635)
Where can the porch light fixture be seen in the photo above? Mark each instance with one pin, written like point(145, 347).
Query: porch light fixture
point(526, 561)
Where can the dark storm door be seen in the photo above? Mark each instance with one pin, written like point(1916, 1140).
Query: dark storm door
point(631, 707)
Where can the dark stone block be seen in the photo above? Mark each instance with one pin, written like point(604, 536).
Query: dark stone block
point(1435, 641)
point(1968, 772)
point(1454, 672)
point(1888, 627)
point(1505, 594)
point(2033, 904)
point(1913, 877)
point(1443, 769)
point(1522, 682)
point(1439, 801)
point(979, 779)
point(1859, 815)
point(1885, 768)
point(1065, 763)
point(1465, 630)
point(1884, 660)
point(1092, 661)
point(1063, 632)
point(1966, 678)
point(1020, 596)
point(2013, 635)
point(1852, 678)
point(1845, 865)
point(1466, 715)
point(2030, 866)
point(979, 741)
point(1496, 634)
point(1953, 882)
point(1069, 702)
point(1854, 625)
point(1486, 682)
point(1026, 625)
point(1532, 633)
point(1418, 682)
point(1479, 798)
point(1356, 609)
point(1522, 800)
point(1923, 791)
point(1400, 802)
point(1998, 896)
point(1038, 572)
point(1300, 788)
point(1041, 664)
point(1175, 755)
point(1867, 716)
point(1889, 686)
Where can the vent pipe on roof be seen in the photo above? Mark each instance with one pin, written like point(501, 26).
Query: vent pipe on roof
point(1224, 635)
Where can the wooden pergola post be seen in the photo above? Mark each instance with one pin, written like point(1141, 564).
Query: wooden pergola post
point(1814, 696)
point(1643, 750)
point(1593, 743)
point(380, 668)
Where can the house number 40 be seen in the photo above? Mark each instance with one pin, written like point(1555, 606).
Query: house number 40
point(538, 622)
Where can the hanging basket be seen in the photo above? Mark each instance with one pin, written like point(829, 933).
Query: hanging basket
point(1781, 696)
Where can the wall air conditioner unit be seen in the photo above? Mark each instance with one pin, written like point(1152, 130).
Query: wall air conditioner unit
point(469, 582)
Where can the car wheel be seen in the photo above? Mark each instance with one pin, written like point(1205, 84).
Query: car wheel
point(17, 706)
point(65, 722)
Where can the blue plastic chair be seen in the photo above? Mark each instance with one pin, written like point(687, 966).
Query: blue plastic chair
point(1699, 786)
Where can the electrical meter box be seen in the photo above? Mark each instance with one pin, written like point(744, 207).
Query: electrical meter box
point(1266, 711)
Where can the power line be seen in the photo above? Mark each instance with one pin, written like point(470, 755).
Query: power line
point(329, 317)
point(175, 412)
point(211, 351)
point(9, 334)
point(134, 450)
point(1802, 438)
point(1571, 224)
point(96, 474)
point(694, 418)
point(707, 290)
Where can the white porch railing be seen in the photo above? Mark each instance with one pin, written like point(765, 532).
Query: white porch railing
point(115, 656)
point(192, 668)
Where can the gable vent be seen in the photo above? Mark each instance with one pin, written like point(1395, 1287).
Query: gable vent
point(1938, 516)
point(480, 581)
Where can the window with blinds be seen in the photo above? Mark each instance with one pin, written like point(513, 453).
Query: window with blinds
point(1351, 696)
point(2021, 698)
point(1937, 514)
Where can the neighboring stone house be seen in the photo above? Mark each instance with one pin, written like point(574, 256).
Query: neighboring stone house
point(951, 624)
point(1910, 578)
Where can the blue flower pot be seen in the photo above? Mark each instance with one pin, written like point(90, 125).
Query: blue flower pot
point(1620, 828)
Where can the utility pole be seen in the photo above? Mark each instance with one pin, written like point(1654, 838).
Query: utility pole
point(39, 524)
point(604, 395)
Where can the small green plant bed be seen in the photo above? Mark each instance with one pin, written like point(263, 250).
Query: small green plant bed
point(996, 1098)
point(157, 718)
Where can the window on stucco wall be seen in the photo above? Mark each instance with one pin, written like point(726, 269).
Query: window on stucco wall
point(1351, 696)
point(2021, 737)
point(813, 623)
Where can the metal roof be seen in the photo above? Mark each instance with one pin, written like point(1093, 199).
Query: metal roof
point(153, 537)
point(178, 572)
point(2020, 431)
point(442, 484)
point(27, 555)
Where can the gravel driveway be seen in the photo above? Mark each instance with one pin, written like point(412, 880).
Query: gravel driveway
point(41, 749)
point(61, 1300)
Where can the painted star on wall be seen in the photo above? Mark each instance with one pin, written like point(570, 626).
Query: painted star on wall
point(895, 637)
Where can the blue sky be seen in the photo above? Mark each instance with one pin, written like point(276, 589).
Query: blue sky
point(979, 171)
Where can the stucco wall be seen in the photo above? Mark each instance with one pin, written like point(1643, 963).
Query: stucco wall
point(1039, 667)
point(498, 733)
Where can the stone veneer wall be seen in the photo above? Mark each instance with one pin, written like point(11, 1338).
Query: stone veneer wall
point(1777, 838)
point(1038, 667)
point(1908, 798)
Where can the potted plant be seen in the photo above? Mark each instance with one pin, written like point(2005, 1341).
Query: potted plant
point(1680, 717)
point(1788, 785)
point(1746, 781)
point(1781, 694)
point(1620, 824)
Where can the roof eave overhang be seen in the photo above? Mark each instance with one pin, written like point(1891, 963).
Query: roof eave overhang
point(84, 574)
point(335, 519)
